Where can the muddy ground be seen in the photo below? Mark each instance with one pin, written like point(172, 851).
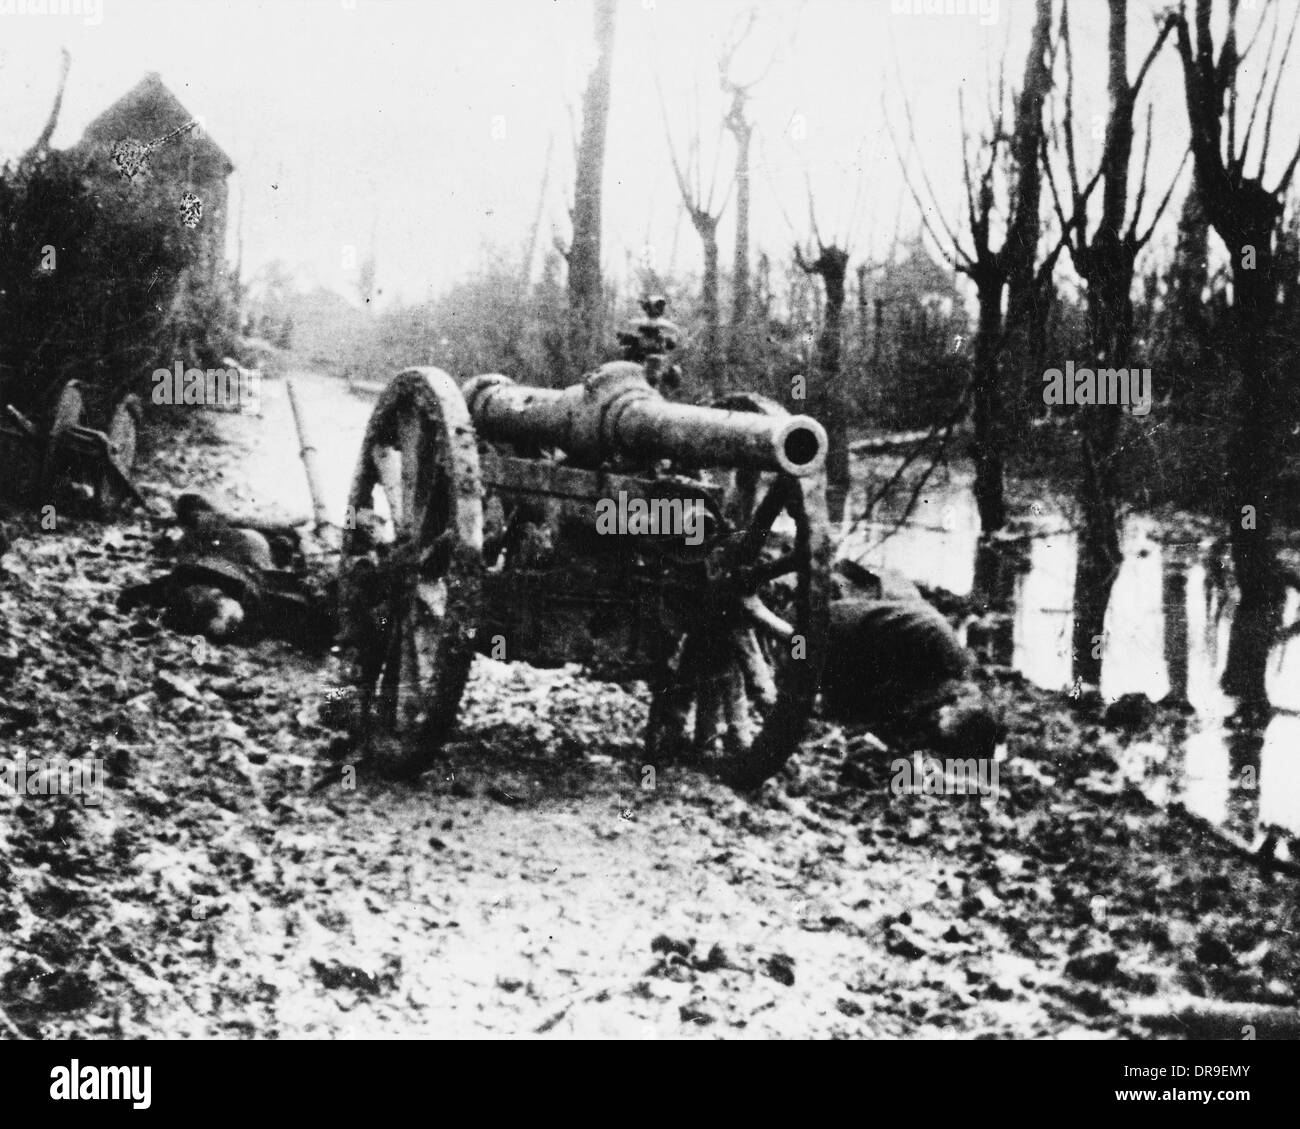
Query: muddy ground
point(532, 885)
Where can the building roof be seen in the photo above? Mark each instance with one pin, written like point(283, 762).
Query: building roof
point(918, 264)
point(147, 112)
point(915, 274)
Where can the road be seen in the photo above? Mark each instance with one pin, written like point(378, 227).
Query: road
point(539, 881)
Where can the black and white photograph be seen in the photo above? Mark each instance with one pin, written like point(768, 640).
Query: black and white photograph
point(650, 520)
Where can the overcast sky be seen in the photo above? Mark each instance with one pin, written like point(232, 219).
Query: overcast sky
point(425, 125)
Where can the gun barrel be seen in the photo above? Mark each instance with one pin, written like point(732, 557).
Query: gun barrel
point(615, 412)
point(307, 452)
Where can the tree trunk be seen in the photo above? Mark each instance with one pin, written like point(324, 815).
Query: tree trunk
point(988, 408)
point(1189, 276)
point(1026, 314)
point(707, 226)
point(830, 366)
point(1107, 266)
point(1099, 555)
point(1173, 587)
point(1245, 214)
point(586, 299)
point(1253, 453)
point(740, 263)
point(1110, 319)
point(830, 405)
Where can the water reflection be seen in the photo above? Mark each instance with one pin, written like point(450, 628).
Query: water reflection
point(1166, 636)
point(1173, 605)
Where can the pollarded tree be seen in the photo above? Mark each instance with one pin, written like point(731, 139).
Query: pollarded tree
point(1104, 258)
point(827, 401)
point(699, 205)
point(741, 128)
point(1247, 215)
point(1008, 267)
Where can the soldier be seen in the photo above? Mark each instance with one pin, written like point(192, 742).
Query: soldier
point(895, 664)
point(650, 341)
point(219, 579)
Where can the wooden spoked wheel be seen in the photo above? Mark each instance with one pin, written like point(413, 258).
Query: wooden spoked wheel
point(739, 689)
point(123, 443)
point(410, 569)
point(66, 411)
point(123, 432)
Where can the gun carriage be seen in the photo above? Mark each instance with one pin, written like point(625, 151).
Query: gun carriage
point(79, 430)
point(479, 522)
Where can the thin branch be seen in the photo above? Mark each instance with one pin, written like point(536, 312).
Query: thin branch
point(43, 141)
point(925, 178)
point(857, 201)
point(713, 177)
point(812, 212)
point(1250, 46)
point(1263, 84)
point(733, 44)
point(1232, 118)
point(1285, 182)
point(1167, 25)
point(731, 187)
point(1146, 164)
point(965, 159)
point(1067, 124)
point(1056, 199)
point(942, 428)
point(1268, 119)
point(682, 186)
point(958, 252)
point(697, 164)
point(767, 171)
point(1164, 201)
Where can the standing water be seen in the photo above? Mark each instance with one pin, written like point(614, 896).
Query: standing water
point(1166, 634)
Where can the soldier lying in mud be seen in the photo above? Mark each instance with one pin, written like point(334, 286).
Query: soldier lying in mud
point(226, 583)
point(894, 664)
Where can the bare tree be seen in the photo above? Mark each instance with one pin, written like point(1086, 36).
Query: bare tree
point(1105, 261)
point(827, 402)
point(991, 270)
point(1028, 294)
point(1247, 216)
point(1189, 276)
point(42, 143)
point(742, 129)
point(586, 296)
point(699, 205)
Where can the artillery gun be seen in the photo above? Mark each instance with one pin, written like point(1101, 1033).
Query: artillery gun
point(78, 430)
point(478, 521)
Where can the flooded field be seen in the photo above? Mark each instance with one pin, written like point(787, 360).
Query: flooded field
point(1166, 634)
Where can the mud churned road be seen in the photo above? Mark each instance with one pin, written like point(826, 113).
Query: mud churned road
point(532, 884)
